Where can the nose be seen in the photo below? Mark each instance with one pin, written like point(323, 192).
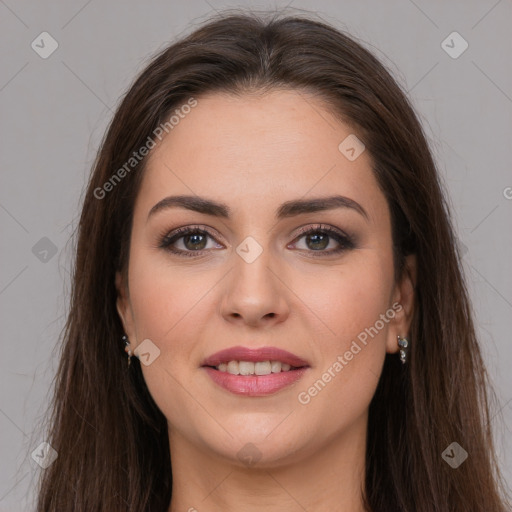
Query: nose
point(254, 295)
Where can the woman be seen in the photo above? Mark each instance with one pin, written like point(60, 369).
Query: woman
point(265, 240)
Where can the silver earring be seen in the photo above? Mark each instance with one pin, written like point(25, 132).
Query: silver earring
point(127, 349)
point(403, 343)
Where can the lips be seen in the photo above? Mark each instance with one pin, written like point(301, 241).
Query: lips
point(255, 385)
point(254, 355)
point(289, 368)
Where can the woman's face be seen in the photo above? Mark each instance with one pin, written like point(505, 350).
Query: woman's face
point(250, 276)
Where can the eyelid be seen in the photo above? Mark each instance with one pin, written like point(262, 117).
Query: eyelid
point(167, 237)
point(321, 227)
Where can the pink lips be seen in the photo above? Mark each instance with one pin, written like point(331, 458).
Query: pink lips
point(255, 385)
point(254, 355)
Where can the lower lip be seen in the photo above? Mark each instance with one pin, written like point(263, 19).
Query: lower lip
point(255, 385)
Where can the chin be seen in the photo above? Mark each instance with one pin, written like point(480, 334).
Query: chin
point(252, 450)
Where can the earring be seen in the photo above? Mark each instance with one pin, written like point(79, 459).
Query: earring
point(127, 349)
point(403, 343)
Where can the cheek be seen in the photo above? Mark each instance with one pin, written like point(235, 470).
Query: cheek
point(352, 338)
point(346, 300)
point(168, 304)
point(163, 296)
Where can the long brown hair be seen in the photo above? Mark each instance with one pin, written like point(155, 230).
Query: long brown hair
point(110, 435)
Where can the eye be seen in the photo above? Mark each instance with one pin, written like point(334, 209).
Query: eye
point(191, 238)
point(318, 238)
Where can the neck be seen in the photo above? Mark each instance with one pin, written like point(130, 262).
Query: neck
point(330, 477)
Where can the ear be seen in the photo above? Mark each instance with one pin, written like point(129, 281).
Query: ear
point(124, 307)
point(403, 303)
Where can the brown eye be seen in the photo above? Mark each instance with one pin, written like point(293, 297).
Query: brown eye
point(317, 241)
point(193, 241)
point(319, 238)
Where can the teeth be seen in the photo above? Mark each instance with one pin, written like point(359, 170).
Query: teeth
point(245, 368)
point(250, 368)
point(276, 366)
point(263, 368)
point(233, 367)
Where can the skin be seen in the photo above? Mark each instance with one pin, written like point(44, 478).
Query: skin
point(254, 153)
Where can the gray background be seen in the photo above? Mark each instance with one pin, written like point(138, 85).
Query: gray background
point(54, 112)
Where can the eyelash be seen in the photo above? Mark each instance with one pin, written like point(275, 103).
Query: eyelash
point(345, 241)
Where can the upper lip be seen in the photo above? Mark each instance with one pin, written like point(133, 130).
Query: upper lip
point(240, 353)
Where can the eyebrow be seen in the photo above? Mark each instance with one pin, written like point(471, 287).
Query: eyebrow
point(287, 209)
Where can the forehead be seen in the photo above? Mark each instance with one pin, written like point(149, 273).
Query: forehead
point(253, 148)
